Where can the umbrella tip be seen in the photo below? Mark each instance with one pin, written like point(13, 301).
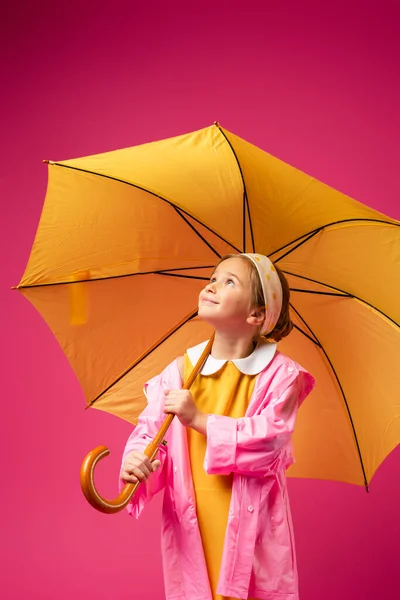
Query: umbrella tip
point(49, 162)
point(217, 124)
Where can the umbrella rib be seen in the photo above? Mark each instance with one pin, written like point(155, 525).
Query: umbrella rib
point(185, 276)
point(245, 197)
point(306, 239)
point(196, 232)
point(250, 223)
point(318, 229)
point(139, 187)
point(306, 334)
point(342, 392)
point(161, 272)
point(344, 293)
point(145, 355)
point(244, 221)
point(321, 293)
point(314, 340)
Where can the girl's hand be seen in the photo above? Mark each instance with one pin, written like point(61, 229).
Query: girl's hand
point(181, 404)
point(137, 467)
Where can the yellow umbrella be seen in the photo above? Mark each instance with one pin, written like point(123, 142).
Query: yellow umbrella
point(127, 238)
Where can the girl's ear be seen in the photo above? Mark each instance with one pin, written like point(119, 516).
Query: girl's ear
point(257, 316)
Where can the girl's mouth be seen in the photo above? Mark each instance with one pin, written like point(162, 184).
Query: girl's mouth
point(208, 301)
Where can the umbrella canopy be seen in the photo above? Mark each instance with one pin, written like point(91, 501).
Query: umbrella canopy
point(128, 238)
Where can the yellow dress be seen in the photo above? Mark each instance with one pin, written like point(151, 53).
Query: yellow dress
point(226, 392)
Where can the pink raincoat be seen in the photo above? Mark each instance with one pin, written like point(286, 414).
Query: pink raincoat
point(259, 555)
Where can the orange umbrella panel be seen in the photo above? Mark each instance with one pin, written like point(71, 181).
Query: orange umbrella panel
point(127, 239)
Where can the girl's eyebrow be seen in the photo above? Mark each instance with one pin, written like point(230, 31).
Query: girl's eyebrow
point(233, 275)
point(229, 274)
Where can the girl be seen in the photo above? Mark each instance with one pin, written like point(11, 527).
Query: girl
point(227, 530)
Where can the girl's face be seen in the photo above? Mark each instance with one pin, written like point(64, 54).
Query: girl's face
point(226, 302)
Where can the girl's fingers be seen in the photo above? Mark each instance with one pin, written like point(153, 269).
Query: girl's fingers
point(147, 463)
point(132, 474)
point(140, 473)
point(128, 478)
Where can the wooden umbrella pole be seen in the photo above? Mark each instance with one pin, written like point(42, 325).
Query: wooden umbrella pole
point(92, 458)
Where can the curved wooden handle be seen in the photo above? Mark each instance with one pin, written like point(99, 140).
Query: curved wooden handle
point(90, 461)
point(90, 492)
point(87, 474)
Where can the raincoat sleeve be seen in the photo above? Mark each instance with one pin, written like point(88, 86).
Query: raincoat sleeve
point(149, 423)
point(259, 445)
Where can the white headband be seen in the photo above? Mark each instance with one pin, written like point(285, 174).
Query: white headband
point(272, 289)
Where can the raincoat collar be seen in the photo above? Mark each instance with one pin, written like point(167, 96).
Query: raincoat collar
point(251, 365)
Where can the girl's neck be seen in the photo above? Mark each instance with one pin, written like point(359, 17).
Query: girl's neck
point(229, 347)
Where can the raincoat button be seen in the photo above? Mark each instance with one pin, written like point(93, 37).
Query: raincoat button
point(175, 469)
point(250, 509)
point(290, 369)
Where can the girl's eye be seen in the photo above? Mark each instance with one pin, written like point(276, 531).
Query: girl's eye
point(230, 281)
point(212, 280)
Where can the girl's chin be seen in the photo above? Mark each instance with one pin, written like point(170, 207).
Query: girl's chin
point(216, 323)
point(205, 309)
point(206, 315)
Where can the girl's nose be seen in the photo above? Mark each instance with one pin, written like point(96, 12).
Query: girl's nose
point(210, 287)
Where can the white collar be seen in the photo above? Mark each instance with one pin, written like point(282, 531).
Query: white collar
point(251, 365)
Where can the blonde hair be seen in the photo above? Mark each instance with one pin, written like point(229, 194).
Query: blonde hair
point(284, 324)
